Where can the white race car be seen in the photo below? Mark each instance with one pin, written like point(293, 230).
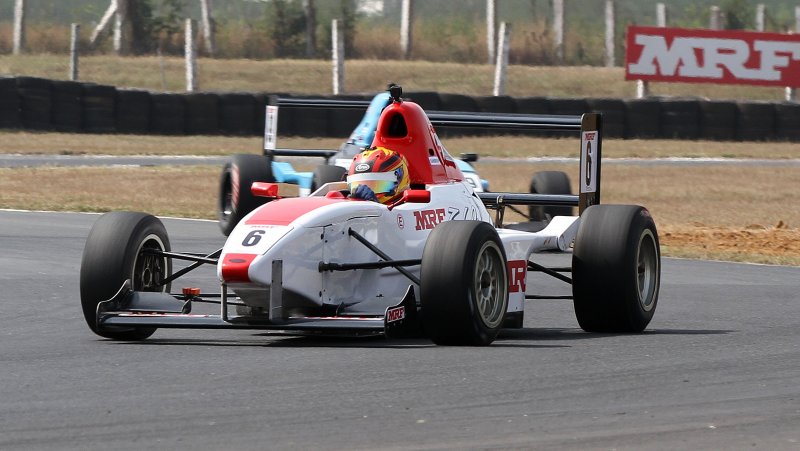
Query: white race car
point(435, 263)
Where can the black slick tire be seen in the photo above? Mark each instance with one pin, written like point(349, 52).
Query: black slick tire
point(464, 284)
point(235, 199)
point(112, 255)
point(549, 182)
point(616, 269)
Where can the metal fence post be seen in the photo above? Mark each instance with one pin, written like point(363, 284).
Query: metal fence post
point(491, 29)
point(406, 26)
point(19, 27)
point(501, 66)
point(190, 51)
point(558, 29)
point(337, 52)
point(73, 51)
point(610, 31)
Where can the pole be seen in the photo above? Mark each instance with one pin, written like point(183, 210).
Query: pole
point(610, 29)
point(190, 52)
point(791, 92)
point(761, 12)
point(406, 17)
point(491, 29)
point(642, 86)
point(337, 41)
point(715, 20)
point(19, 27)
point(501, 66)
point(208, 27)
point(310, 12)
point(122, 28)
point(558, 28)
point(73, 51)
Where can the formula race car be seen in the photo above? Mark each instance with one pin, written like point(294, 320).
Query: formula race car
point(235, 200)
point(434, 262)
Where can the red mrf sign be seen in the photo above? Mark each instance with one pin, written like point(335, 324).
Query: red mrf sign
point(710, 56)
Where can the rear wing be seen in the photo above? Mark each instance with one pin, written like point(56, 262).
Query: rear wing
point(271, 148)
point(588, 125)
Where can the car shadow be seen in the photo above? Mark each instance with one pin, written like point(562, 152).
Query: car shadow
point(526, 337)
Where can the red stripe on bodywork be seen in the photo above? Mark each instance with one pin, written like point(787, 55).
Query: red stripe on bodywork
point(235, 266)
point(284, 211)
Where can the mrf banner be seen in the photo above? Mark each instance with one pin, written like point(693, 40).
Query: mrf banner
point(710, 56)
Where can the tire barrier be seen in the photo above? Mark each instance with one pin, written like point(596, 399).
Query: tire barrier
point(679, 119)
point(66, 106)
point(40, 104)
point(755, 121)
point(646, 112)
point(202, 114)
point(133, 112)
point(35, 96)
point(787, 121)
point(717, 120)
point(167, 114)
point(237, 113)
point(613, 115)
point(10, 105)
point(98, 104)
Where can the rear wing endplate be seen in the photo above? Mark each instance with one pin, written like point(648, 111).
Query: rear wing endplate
point(590, 127)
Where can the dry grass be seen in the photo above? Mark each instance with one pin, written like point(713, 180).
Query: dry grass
point(362, 76)
point(498, 146)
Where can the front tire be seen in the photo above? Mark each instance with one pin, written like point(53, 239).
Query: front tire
point(616, 269)
point(113, 254)
point(235, 199)
point(464, 284)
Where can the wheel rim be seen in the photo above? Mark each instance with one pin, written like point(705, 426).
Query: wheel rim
point(149, 270)
point(490, 285)
point(647, 270)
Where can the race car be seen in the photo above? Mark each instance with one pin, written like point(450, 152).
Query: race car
point(434, 263)
point(235, 199)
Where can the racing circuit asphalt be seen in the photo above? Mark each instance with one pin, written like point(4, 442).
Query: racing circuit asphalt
point(719, 367)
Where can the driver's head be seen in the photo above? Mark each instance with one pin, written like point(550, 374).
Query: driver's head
point(382, 170)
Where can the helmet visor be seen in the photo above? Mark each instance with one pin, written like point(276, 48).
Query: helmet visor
point(378, 182)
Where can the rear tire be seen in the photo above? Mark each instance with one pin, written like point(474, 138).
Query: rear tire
point(326, 174)
point(549, 182)
point(235, 199)
point(616, 269)
point(464, 284)
point(112, 255)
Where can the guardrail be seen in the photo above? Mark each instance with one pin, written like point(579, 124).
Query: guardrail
point(52, 105)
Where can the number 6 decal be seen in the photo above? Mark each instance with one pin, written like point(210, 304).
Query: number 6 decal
point(589, 143)
point(253, 238)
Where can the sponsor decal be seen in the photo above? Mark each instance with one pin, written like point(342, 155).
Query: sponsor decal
point(588, 181)
point(712, 56)
point(395, 314)
point(517, 269)
point(362, 167)
point(401, 223)
point(427, 219)
point(434, 160)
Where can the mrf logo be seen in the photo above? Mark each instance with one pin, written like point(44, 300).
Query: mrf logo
point(516, 276)
point(427, 219)
point(395, 314)
point(711, 56)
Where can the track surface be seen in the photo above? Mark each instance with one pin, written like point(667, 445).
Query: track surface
point(719, 367)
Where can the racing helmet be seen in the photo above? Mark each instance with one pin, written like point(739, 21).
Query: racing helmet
point(383, 170)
